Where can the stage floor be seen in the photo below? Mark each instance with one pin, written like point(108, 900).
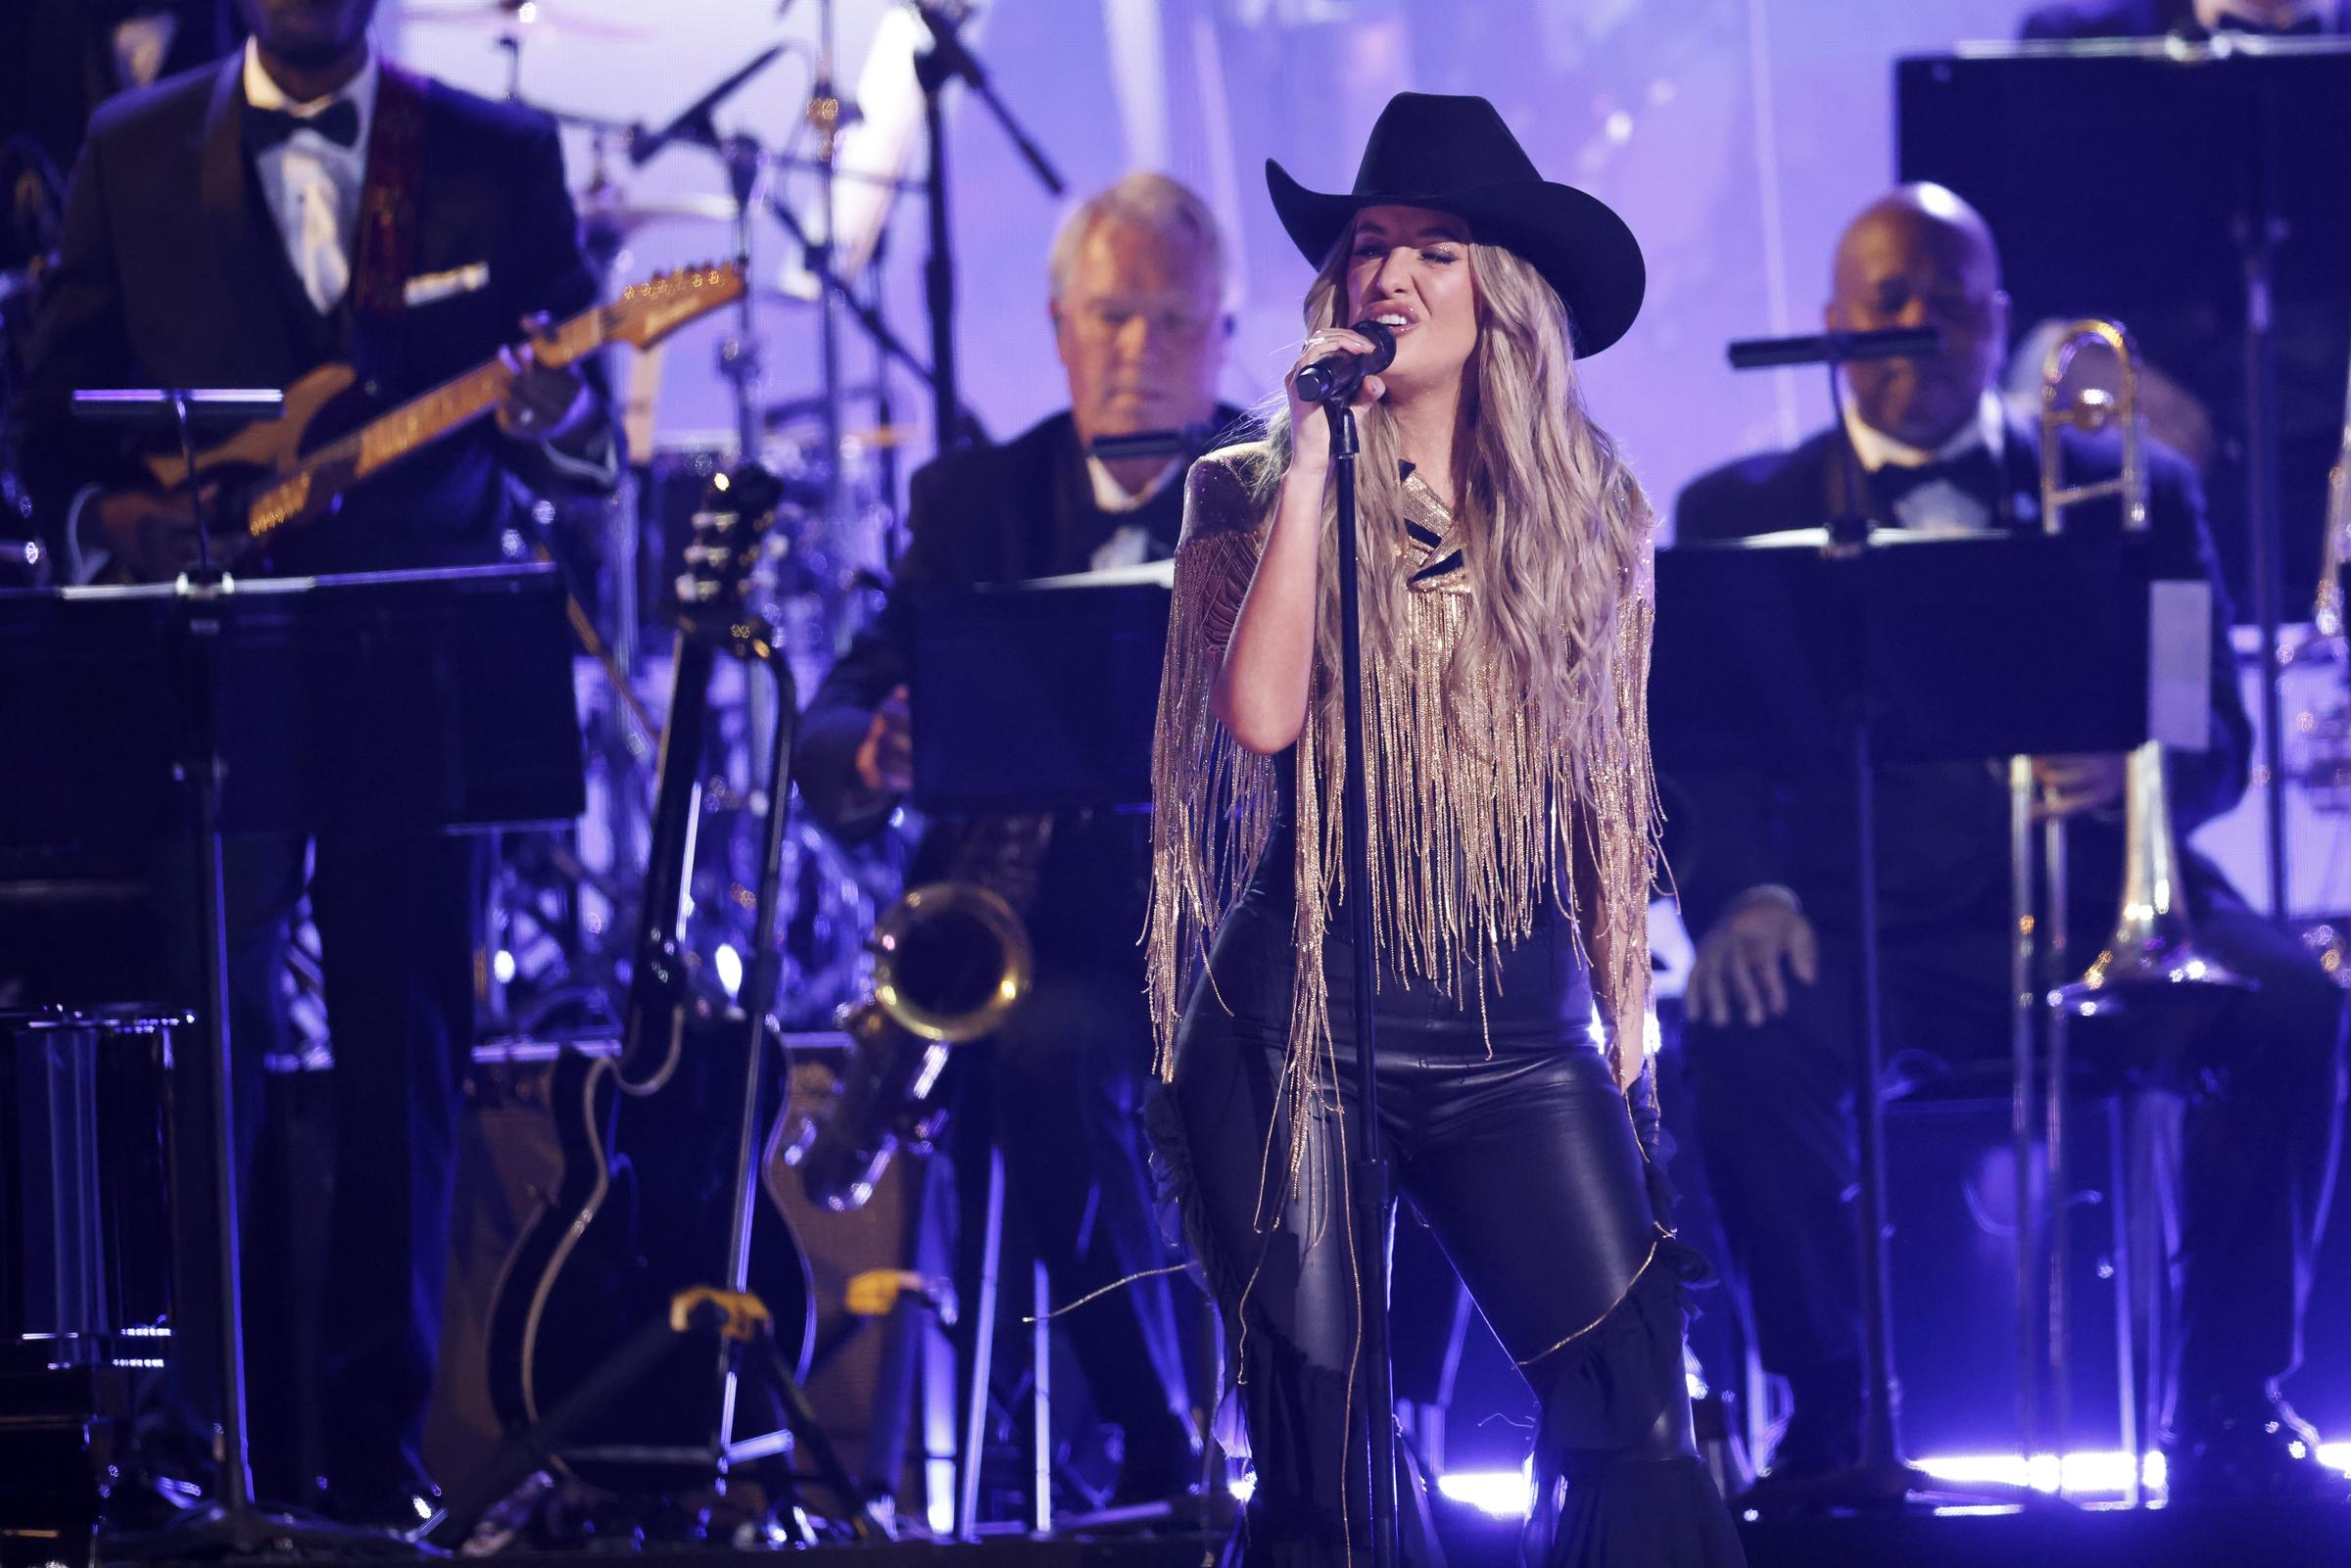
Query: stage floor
point(2234, 1536)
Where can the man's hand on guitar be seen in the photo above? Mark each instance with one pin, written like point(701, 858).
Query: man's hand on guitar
point(149, 532)
point(542, 403)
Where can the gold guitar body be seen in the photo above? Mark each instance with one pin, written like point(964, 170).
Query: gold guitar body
point(252, 465)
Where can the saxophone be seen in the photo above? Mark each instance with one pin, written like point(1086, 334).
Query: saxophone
point(951, 960)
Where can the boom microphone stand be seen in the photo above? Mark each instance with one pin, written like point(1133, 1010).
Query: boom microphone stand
point(738, 355)
point(949, 58)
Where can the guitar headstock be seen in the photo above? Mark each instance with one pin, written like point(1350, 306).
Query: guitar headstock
point(730, 530)
point(648, 311)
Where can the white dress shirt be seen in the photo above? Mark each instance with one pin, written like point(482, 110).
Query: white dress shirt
point(312, 185)
point(1939, 504)
point(1130, 545)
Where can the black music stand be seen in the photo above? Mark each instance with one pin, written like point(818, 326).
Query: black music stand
point(1039, 695)
point(2211, 218)
point(1826, 658)
point(428, 700)
point(1025, 697)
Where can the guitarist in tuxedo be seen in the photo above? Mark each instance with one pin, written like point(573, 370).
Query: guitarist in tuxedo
point(1764, 865)
point(302, 202)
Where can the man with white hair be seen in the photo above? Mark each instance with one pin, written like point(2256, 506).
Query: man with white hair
point(1139, 316)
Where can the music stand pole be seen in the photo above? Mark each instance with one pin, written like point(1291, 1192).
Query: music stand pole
point(2257, 238)
point(1368, 1169)
point(231, 1521)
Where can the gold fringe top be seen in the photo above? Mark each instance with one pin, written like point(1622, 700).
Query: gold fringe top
point(1478, 813)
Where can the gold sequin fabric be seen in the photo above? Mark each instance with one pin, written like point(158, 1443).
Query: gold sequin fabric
point(1479, 813)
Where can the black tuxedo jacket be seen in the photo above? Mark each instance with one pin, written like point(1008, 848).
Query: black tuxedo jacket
point(991, 514)
point(1943, 828)
point(171, 273)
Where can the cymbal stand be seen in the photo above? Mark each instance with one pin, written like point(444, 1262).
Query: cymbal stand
point(739, 355)
point(828, 113)
point(867, 315)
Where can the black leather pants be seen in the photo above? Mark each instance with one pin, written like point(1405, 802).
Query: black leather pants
point(1527, 1167)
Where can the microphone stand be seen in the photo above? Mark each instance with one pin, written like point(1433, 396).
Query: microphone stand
point(947, 59)
point(1881, 1479)
point(744, 160)
point(1369, 1172)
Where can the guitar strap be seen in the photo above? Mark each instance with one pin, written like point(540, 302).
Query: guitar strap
point(387, 243)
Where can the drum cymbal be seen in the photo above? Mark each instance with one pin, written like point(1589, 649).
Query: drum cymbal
point(628, 211)
point(535, 14)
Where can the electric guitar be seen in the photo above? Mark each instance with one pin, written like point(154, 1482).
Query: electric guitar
point(279, 474)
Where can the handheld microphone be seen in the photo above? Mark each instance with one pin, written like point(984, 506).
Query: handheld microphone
point(1334, 377)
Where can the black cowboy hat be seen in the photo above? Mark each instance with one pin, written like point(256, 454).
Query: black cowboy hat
point(1455, 155)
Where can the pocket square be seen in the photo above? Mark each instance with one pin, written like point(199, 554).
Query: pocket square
point(426, 286)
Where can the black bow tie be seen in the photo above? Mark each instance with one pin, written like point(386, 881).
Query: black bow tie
point(338, 123)
point(1974, 472)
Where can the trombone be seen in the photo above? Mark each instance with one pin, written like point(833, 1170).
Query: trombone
point(2150, 963)
point(2152, 948)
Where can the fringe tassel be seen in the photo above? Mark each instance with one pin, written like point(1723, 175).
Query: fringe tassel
point(1476, 818)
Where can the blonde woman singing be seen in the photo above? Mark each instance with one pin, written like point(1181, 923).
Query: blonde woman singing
point(1506, 598)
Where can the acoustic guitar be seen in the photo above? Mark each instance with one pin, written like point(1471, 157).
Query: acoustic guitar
point(665, 1144)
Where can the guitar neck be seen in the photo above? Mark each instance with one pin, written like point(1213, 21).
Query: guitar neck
point(643, 314)
point(454, 402)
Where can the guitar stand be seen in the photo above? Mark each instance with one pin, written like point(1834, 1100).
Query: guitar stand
point(736, 1316)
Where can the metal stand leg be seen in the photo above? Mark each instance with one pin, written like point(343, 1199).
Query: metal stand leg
point(2058, 1203)
point(2119, 1213)
point(983, 1335)
point(1040, 1350)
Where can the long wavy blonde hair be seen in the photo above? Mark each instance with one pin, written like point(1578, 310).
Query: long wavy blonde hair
point(1549, 521)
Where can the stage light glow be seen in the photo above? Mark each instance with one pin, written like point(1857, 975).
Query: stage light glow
point(1243, 1487)
point(501, 965)
point(1503, 1493)
point(2083, 1473)
point(2087, 1473)
point(729, 965)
